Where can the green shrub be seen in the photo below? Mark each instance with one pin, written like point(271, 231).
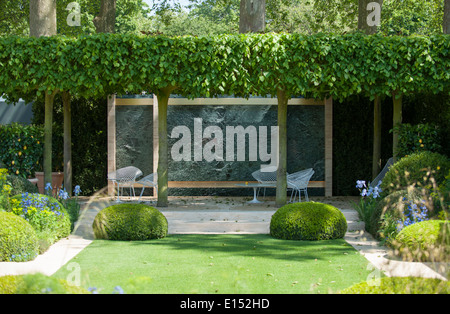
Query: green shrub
point(400, 285)
point(130, 222)
point(308, 221)
point(37, 284)
point(18, 240)
point(8, 284)
point(45, 214)
point(425, 241)
point(21, 185)
point(417, 138)
point(413, 170)
point(383, 221)
point(21, 149)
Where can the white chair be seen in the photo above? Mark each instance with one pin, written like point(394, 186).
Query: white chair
point(383, 172)
point(268, 177)
point(125, 177)
point(298, 182)
point(149, 181)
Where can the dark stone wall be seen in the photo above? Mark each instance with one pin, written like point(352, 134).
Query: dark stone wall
point(306, 142)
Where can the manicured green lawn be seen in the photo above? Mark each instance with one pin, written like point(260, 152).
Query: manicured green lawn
point(219, 264)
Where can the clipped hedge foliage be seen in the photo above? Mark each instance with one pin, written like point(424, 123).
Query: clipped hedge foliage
point(130, 222)
point(400, 285)
point(413, 169)
point(318, 66)
point(308, 221)
point(18, 240)
point(425, 241)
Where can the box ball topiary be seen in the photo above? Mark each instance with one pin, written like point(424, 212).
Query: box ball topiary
point(130, 222)
point(18, 240)
point(308, 221)
point(426, 241)
point(413, 169)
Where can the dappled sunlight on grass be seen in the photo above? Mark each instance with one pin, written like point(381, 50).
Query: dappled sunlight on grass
point(220, 264)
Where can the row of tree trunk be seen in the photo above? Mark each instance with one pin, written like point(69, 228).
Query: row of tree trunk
point(43, 23)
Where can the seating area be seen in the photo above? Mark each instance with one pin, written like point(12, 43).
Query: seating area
point(266, 178)
point(297, 182)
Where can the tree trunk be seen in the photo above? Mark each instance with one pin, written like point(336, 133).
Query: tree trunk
point(43, 23)
point(67, 143)
point(105, 22)
point(163, 151)
point(48, 134)
point(42, 18)
point(446, 20)
point(397, 120)
point(376, 155)
point(368, 19)
point(252, 16)
point(281, 197)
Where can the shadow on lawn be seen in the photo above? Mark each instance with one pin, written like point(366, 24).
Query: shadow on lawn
point(255, 245)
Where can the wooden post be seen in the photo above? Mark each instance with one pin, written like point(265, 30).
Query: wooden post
point(111, 140)
point(155, 137)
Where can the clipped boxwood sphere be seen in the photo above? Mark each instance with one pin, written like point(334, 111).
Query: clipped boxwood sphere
point(413, 168)
point(425, 241)
point(18, 240)
point(308, 221)
point(130, 222)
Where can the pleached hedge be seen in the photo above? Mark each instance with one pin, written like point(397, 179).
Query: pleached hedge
point(315, 66)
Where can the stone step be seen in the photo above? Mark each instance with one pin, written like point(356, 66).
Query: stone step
point(216, 221)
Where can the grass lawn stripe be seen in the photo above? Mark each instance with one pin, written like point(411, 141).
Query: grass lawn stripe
point(219, 264)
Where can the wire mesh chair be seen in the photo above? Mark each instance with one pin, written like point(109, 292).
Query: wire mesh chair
point(125, 177)
point(298, 182)
point(383, 172)
point(149, 181)
point(268, 177)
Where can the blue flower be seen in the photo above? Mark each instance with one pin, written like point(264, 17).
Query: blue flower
point(63, 194)
point(360, 184)
point(118, 290)
point(48, 186)
point(77, 190)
